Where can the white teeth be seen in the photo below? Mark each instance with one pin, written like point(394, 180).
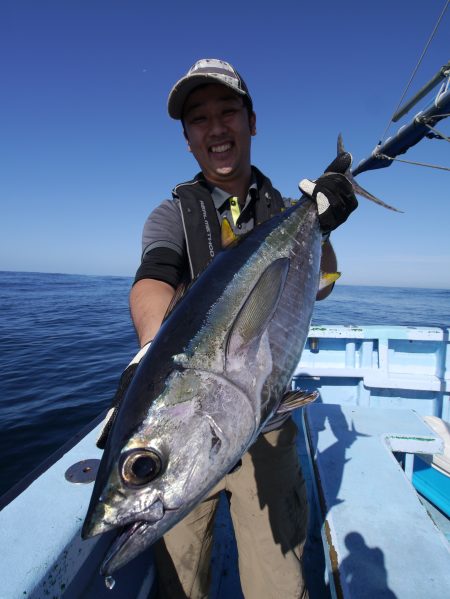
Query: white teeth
point(222, 148)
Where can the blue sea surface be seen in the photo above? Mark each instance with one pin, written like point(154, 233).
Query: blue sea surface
point(65, 339)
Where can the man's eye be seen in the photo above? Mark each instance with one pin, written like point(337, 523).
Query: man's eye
point(198, 119)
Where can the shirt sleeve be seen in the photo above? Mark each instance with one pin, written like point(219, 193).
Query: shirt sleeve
point(162, 264)
point(164, 228)
point(163, 245)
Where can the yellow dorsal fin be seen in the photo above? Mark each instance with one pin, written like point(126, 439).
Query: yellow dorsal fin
point(227, 235)
point(327, 278)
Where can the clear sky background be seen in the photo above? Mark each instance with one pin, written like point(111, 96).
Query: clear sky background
point(87, 149)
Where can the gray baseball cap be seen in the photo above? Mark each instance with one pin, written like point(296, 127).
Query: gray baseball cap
point(204, 71)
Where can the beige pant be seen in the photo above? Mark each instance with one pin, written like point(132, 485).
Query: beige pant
point(269, 512)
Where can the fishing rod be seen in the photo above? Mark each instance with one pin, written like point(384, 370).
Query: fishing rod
point(422, 125)
point(443, 73)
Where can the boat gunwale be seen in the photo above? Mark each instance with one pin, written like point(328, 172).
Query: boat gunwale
point(11, 494)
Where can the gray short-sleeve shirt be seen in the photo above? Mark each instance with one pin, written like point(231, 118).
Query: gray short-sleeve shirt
point(164, 226)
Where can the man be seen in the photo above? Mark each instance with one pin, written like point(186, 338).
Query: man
point(228, 198)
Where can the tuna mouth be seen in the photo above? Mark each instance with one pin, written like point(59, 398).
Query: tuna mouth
point(131, 540)
point(117, 554)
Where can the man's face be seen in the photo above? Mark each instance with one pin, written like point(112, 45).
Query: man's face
point(218, 131)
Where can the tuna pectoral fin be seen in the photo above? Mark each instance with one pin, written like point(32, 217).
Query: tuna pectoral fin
point(296, 399)
point(259, 307)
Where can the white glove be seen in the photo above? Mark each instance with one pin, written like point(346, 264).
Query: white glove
point(333, 193)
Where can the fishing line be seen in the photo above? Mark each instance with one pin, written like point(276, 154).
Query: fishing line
point(415, 70)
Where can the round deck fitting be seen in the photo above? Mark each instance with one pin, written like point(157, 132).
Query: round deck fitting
point(83, 472)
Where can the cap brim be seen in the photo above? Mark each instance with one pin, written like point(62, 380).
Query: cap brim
point(186, 85)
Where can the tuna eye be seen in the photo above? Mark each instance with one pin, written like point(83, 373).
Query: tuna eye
point(140, 467)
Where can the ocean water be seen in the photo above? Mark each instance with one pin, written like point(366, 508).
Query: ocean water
point(65, 339)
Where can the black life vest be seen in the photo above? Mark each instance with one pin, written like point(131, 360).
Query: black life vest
point(201, 224)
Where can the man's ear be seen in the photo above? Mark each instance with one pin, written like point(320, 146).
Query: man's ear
point(252, 122)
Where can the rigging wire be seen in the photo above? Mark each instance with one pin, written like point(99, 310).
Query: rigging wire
point(415, 69)
point(441, 168)
point(439, 134)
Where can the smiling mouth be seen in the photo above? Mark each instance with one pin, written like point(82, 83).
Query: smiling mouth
point(221, 149)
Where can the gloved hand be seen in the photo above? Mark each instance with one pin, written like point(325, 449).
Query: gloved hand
point(124, 383)
point(333, 193)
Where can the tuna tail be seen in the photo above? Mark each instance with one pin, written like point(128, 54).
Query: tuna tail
point(356, 187)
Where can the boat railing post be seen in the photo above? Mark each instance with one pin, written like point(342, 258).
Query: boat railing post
point(409, 465)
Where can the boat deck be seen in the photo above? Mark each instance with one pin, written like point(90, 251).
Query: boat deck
point(374, 527)
point(364, 369)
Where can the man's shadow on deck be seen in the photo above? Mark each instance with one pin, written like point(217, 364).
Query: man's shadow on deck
point(370, 580)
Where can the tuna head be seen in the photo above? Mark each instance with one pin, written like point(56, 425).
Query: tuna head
point(193, 434)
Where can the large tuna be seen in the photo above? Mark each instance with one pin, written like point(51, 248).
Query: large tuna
point(214, 375)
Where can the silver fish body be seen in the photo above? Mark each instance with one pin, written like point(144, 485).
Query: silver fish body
point(213, 376)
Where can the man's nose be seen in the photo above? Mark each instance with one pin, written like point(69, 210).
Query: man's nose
point(217, 125)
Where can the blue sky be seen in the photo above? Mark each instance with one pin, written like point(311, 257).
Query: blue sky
point(87, 149)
